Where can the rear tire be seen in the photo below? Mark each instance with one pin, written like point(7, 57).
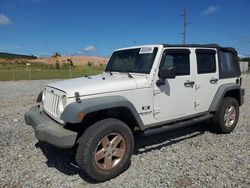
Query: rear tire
point(227, 115)
point(104, 150)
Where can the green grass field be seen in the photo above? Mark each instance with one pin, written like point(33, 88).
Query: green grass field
point(20, 71)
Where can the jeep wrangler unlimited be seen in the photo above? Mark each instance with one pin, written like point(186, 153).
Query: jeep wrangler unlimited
point(144, 89)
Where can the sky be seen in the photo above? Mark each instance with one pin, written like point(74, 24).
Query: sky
point(97, 27)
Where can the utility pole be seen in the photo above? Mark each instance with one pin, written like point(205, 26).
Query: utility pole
point(185, 25)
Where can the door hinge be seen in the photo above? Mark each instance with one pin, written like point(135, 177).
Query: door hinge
point(197, 103)
point(156, 91)
point(197, 86)
point(156, 110)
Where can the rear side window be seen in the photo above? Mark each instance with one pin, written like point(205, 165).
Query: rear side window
point(229, 65)
point(206, 62)
point(178, 58)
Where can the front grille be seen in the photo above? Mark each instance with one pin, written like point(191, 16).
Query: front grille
point(51, 102)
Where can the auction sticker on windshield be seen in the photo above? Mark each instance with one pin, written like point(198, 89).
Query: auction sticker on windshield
point(146, 50)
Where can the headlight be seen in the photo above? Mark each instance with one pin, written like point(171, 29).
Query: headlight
point(43, 95)
point(62, 103)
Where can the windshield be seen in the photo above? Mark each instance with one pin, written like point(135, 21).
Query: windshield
point(139, 60)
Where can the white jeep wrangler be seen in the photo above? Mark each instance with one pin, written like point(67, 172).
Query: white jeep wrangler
point(144, 89)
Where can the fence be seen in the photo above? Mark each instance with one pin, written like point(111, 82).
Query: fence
point(244, 66)
point(36, 71)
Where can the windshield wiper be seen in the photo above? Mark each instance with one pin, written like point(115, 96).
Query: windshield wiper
point(126, 72)
point(129, 75)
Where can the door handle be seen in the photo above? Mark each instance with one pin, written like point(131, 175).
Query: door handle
point(214, 80)
point(189, 83)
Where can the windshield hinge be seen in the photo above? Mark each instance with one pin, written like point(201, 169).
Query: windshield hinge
point(78, 100)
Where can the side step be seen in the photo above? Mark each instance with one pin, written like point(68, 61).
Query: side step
point(177, 125)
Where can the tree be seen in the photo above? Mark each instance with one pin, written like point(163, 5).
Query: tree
point(56, 55)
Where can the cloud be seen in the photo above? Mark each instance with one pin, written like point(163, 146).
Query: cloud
point(88, 49)
point(4, 20)
point(210, 10)
point(241, 55)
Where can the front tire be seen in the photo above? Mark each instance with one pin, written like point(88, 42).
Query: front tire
point(105, 149)
point(227, 115)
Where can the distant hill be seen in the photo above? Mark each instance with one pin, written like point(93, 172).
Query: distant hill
point(76, 60)
point(15, 56)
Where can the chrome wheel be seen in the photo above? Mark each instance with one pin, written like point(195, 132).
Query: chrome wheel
point(230, 116)
point(110, 151)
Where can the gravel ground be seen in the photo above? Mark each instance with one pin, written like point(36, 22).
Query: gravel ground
point(190, 157)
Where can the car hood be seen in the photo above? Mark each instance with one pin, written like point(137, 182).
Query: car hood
point(99, 84)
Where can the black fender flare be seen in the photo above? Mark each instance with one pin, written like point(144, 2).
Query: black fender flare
point(220, 94)
point(87, 106)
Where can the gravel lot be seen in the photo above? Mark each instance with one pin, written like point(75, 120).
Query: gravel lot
point(190, 157)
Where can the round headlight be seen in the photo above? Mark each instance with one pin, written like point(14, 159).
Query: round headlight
point(62, 103)
point(43, 95)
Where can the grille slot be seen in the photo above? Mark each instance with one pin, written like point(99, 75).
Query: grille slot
point(51, 103)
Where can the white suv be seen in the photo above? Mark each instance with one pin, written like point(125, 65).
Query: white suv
point(143, 90)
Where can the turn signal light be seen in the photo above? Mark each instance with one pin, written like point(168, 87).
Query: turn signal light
point(80, 116)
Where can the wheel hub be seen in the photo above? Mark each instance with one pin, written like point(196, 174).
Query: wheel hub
point(110, 151)
point(230, 116)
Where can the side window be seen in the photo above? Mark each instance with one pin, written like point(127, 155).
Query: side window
point(229, 65)
point(206, 62)
point(178, 58)
point(226, 62)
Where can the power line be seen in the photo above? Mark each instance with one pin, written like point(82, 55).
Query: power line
point(223, 33)
point(220, 32)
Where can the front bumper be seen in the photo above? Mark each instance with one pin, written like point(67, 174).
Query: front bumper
point(47, 130)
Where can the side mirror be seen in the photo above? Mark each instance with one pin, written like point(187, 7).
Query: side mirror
point(164, 73)
point(167, 72)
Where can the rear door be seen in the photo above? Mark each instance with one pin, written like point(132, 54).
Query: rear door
point(207, 78)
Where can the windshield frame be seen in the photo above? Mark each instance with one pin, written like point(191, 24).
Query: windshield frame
point(114, 55)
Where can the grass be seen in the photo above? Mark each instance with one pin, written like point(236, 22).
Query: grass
point(37, 71)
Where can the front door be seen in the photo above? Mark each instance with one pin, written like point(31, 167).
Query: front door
point(176, 98)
